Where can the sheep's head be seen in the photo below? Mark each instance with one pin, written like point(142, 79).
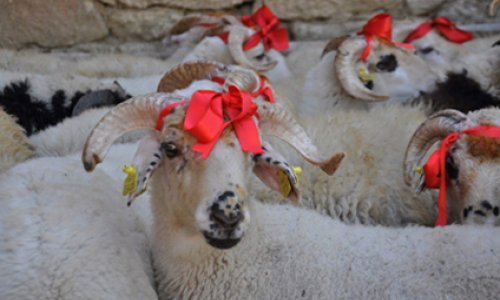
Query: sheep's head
point(209, 196)
point(389, 72)
point(472, 163)
point(229, 38)
point(434, 46)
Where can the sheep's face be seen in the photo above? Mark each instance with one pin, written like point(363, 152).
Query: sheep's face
point(388, 73)
point(212, 192)
point(473, 170)
point(397, 73)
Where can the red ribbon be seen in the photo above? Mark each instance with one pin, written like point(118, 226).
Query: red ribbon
point(379, 26)
point(205, 119)
point(445, 27)
point(435, 170)
point(270, 32)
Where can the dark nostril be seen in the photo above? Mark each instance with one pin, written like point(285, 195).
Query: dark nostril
point(387, 63)
point(227, 220)
point(486, 204)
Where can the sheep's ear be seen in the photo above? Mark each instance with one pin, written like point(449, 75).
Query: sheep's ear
point(274, 171)
point(147, 158)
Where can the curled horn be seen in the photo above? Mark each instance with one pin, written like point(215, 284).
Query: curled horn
point(348, 54)
point(190, 21)
point(276, 121)
point(334, 44)
point(139, 112)
point(236, 39)
point(493, 7)
point(182, 75)
point(435, 128)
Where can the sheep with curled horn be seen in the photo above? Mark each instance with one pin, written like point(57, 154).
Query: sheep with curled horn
point(472, 162)
point(393, 74)
point(208, 231)
point(204, 43)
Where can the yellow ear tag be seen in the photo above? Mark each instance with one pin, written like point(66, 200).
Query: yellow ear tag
point(365, 76)
point(130, 183)
point(285, 186)
point(419, 170)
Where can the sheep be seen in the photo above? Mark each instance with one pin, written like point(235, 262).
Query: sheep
point(61, 239)
point(210, 46)
point(392, 74)
point(472, 163)
point(435, 48)
point(204, 245)
point(38, 101)
point(14, 144)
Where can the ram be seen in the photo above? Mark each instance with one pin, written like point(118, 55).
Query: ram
point(471, 159)
point(391, 74)
point(212, 240)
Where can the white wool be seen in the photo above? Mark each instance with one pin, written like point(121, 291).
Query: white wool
point(69, 234)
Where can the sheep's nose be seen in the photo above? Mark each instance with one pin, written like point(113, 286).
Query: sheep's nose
point(226, 210)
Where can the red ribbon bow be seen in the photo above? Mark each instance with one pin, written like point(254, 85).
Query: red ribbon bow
point(379, 26)
point(445, 27)
point(270, 32)
point(435, 170)
point(205, 119)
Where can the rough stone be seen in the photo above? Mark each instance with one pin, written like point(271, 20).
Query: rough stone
point(146, 24)
point(468, 11)
point(308, 31)
point(420, 7)
point(189, 4)
point(53, 23)
point(341, 10)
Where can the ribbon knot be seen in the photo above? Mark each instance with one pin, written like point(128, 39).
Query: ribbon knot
point(435, 167)
point(379, 26)
point(209, 112)
point(264, 89)
point(445, 27)
point(268, 30)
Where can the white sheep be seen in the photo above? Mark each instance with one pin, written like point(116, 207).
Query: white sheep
point(277, 251)
point(471, 163)
point(61, 239)
point(200, 43)
point(14, 144)
point(395, 74)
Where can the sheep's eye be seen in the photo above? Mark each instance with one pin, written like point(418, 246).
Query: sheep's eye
point(170, 149)
point(451, 167)
point(426, 50)
point(260, 56)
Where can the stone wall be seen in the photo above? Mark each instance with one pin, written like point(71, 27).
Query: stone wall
point(62, 23)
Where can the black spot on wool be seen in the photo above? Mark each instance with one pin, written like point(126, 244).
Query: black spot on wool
point(37, 114)
point(460, 92)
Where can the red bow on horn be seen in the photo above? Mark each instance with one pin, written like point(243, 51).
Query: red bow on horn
point(435, 170)
point(445, 27)
point(269, 30)
point(379, 26)
point(205, 119)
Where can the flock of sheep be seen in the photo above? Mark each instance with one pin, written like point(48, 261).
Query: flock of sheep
point(362, 113)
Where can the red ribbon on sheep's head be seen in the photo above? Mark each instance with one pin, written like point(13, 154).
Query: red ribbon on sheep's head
point(205, 119)
point(268, 30)
point(435, 170)
point(445, 27)
point(379, 26)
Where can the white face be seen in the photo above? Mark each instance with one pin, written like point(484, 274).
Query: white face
point(473, 168)
point(212, 191)
point(397, 72)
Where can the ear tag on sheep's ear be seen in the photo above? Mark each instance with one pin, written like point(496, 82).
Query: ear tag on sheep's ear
point(364, 76)
point(130, 183)
point(285, 186)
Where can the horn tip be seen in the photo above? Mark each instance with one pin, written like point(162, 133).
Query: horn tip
point(90, 161)
point(330, 166)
